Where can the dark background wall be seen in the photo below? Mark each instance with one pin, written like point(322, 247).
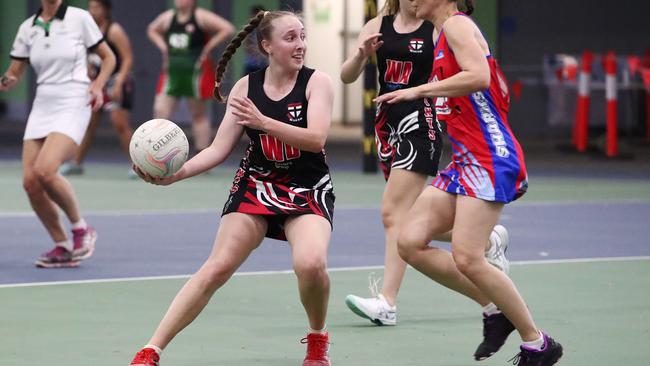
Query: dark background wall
point(529, 29)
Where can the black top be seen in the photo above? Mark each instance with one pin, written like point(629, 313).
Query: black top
point(405, 59)
point(185, 42)
point(283, 163)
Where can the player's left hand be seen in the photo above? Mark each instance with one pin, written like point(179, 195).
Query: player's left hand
point(7, 82)
point(154, 180)
point(397, 96)
point(96, 97)
point(248, 114)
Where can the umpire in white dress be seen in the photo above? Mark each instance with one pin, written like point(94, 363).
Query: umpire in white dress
point(55, 41)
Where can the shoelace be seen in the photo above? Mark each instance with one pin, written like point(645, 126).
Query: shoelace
point(373, 284)
point(316, 349)
point(520, 358)
point(146, 356)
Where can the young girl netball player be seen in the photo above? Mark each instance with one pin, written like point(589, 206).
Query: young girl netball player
point(487, 171)
point(185, 37)
point(119, 91)
point(408, 139)
point(55, 41)
point(282, 189)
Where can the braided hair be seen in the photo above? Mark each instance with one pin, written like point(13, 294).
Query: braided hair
point(261, 22)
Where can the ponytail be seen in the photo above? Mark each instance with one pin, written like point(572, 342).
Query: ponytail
point(230, 51)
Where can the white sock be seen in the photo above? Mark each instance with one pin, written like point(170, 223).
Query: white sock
point(81, 224)
point(537, 344)
point(491, 309)
point(322, 331)
point(65, 244)
point(155, 348)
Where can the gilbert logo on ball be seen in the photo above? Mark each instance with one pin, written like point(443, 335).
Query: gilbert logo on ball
point(159, 148)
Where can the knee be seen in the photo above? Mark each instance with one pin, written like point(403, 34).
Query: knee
point(409, 243)
point(467, 263)
point(215, 273)
point(44, 175)
point(312, 269)
point(389, 215)
point(31, 185)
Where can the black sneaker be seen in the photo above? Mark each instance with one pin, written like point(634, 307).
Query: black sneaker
point(547, 356)
point(496, 329)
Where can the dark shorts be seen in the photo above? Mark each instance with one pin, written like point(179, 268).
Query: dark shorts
point(408, 137)
point(277, 202)
point(128, 94)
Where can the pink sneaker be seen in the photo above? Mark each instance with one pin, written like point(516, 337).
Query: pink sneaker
point(318, 346)
point(59, 257)
point(146, 357)
point(84, 242)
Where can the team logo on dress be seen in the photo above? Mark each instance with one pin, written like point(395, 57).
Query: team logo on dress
point(189, 28)
point(440, 55)
point(415, 45)
point(294, 112)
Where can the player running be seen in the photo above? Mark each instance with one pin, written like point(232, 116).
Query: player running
point(487, 171)
point(409, 141)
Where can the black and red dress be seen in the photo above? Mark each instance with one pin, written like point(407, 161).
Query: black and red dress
point(274, 179)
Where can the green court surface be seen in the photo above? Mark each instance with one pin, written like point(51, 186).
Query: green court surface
point(599, 312)
point(105, 187)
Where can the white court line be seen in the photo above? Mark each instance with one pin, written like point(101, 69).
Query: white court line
point(217, 210)
point(336, 269)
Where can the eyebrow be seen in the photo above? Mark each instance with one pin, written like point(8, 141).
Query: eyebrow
point(293, 30)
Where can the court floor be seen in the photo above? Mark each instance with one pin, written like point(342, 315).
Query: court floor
point(580, 247)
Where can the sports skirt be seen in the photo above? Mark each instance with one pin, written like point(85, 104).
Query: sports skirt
point(276, 202)
point(63, 108)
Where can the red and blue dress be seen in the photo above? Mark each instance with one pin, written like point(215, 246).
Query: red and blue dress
point(487, 161)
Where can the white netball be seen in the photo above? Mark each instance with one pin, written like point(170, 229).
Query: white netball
point(159, 148)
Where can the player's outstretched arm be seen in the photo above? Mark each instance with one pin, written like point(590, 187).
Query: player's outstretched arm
point(475, 74)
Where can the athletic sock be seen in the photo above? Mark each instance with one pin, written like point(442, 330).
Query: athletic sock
point(67, 244)
point(537, 344)
point(155, 348)
point(491, 309)
point(322, 331)
point(81, 224)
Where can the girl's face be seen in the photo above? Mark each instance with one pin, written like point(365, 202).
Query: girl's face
point(287, 44)
point(97, 10)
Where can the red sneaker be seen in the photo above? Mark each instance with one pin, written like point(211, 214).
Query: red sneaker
point(59, 257)
point(146, 357)
point(84, 242)
point(318, 346)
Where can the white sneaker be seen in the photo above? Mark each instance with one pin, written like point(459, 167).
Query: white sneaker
point(376, 309)
point(496, 253)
